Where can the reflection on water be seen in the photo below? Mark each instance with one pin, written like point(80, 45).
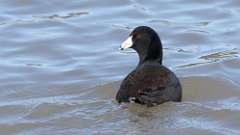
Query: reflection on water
point(222, 55)
point(61, 67)
point(215, 57)
point(67, 16)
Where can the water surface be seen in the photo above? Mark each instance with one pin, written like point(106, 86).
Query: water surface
point(61, 68)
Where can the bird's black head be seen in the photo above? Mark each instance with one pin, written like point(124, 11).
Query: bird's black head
point(146, 42)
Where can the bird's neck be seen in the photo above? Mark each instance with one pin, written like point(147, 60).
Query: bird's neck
point(153, 54)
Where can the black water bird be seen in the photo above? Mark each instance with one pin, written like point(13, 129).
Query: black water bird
point(150, 82)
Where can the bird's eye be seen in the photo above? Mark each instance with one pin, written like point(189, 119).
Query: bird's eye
point(134, 37)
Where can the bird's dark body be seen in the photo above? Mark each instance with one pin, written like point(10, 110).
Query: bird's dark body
point(150, 82)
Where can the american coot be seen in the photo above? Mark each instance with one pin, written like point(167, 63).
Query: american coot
point(150, 82)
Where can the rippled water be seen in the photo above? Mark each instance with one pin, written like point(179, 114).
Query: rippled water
point(60, 66)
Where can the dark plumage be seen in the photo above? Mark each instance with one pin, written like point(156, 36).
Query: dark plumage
point(150, 82)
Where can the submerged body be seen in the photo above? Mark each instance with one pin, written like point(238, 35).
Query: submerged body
point(150, 83)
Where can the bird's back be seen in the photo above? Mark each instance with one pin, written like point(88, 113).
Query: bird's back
point(150, 83)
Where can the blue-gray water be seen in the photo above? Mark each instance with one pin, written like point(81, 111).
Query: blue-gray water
point(60, 66)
